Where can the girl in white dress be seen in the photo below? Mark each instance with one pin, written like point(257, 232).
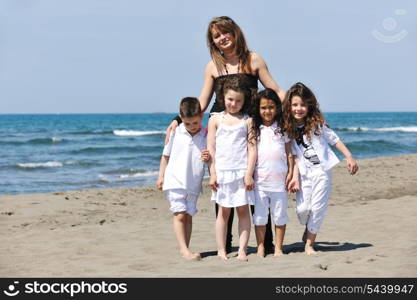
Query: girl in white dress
point(232, 165)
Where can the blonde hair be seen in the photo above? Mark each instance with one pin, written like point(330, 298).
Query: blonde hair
point(241, 50)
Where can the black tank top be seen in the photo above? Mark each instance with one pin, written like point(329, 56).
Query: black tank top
point(248, 81)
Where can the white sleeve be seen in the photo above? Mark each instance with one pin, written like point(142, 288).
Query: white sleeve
point(329, 135)
point(168, 147)
point(294, 148)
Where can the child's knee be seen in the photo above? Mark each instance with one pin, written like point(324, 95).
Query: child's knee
point(260, 220)
point(181, 216)
point(281, 220)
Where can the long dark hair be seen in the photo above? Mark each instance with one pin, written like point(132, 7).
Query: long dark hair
point(314, 119)
point(257, 121)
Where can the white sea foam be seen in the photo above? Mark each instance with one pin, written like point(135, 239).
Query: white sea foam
point(136, 133)
point(142, 174)
point(56, 139)
point(49, 164)
point(385, 129)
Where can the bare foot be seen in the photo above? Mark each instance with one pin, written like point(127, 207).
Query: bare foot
point(304, 238)
point(278, 252)
point(261, 251)
point(191, 256)
point(242, 256)
point(222, 254)
point(310, 250)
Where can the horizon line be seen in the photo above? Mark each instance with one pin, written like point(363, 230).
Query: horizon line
point(149, 113)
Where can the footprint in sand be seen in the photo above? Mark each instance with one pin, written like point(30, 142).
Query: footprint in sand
point(8, 213)
point(322, 267)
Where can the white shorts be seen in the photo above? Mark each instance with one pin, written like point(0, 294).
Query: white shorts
point(182, 201)
point(276, 201)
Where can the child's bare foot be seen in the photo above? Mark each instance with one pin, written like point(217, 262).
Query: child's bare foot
point(278, 252)
point(304, 238)
point(310, 250)
point(261, 251)
point(191, 256)
point(222, 254)
point(242, 256)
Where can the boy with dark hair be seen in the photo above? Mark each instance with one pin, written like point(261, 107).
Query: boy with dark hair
point(182, 169)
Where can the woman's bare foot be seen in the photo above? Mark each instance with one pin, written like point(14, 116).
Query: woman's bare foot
point(242, 256)
point(278, 252)
point(222, 254)
point(310, 250)
point(261, 250)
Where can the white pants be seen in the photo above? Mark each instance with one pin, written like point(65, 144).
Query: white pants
point(313, 198)
point(182, 201)
point(277, 201)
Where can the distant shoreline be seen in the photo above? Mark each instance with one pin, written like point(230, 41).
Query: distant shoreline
point(169, 113)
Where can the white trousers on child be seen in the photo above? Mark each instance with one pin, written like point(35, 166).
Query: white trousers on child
point(276, 201)
point(313, 197)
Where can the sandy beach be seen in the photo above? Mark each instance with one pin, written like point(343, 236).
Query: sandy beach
point(127, 232)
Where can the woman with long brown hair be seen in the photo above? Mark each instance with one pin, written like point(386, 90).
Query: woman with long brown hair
point(231, 57)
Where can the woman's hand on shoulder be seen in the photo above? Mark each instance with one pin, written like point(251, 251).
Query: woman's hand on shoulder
point(171, 128)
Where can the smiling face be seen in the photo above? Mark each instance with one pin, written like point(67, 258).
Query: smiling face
point(192, 124)
point(223, 40)
point(233, 101)
point(299, 109)
point(268, 111)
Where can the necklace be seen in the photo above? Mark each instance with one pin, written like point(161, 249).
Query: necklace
point(238, 68)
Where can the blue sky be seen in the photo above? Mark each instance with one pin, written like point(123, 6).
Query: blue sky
point(117, 56)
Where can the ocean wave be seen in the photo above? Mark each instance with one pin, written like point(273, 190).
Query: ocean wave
point(136, 133)
point(108, 177)
point(117, 149)
point(88, 132)
point(124, 171)
point(37, 141)
point(140, 174)
point(82, 163)
point(49, 164)
point(51, 140)
point(373, 147)
point(382, 129)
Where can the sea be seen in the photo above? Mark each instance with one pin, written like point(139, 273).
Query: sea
point(42, 153)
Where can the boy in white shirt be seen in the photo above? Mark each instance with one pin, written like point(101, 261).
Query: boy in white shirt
point(182, 169)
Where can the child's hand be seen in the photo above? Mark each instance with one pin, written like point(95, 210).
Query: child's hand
point(213, 182)
point(205, 156)
point(249, 182)
point(352, 165)
point(160, 183)
point(288, 180)
point(294, 185)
